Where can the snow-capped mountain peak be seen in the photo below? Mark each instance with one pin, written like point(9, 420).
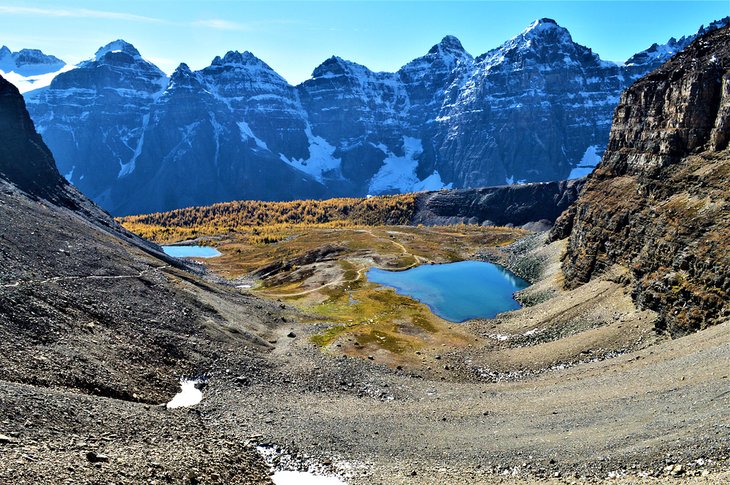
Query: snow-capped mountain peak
point(118, 45)
point(334, 66)
point(238, 58)
point(183, 77)
point(542, 42)
point(28, 62)
point(122, 57)
point(27, 57)
point(449, 44)
point(240, 75)
point(543, 24)
point(544, 31)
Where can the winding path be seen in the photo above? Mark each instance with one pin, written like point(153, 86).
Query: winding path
point(56, 279)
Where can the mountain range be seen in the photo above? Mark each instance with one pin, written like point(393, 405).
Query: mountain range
point(537, 108)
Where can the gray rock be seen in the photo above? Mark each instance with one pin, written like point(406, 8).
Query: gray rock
point(94, 457)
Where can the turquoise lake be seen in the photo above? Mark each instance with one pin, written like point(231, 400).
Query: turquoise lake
point(191, 251)
point(456, 291)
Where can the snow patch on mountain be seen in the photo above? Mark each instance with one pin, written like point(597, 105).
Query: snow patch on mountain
point(247, 134)
point(590, 159)
point(321, 162)
point(25, 84)
point(69, 175)
point(511, 181)
point(432, 182)
point(398, 173)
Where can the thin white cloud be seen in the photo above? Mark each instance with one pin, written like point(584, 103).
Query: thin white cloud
point(219, 24)
point(78, 13)
point(258, 26)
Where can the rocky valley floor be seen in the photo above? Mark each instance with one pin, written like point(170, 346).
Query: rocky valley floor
point(575, 386)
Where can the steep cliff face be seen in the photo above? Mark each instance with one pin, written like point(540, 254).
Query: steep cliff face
point(659, 202)
point(24, 158)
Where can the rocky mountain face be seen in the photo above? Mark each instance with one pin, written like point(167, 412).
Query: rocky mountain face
point(659, 202)
point(198, 150)
point(527, 111)
point(538, 108)
point(93, 117)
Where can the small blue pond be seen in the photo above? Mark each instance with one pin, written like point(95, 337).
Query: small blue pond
point(456, 291)
point(191, 251)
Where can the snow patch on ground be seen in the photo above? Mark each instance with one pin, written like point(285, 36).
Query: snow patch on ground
point(288, 469)
point(399, 173)
point(321, 160)
point(303, 478)
point(189, 394)
point(500, 337)
point(587, 163)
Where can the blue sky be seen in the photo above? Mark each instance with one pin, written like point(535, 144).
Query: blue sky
point(294, 37)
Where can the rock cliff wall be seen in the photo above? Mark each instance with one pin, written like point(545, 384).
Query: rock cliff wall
point(659, 201)
point(535, 206)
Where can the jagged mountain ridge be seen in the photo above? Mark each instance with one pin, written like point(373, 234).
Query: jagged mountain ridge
point(537, 108)
point(661, 53)
point(28, 62)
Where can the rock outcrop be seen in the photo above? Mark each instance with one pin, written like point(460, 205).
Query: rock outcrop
point(24, 158)
point(659, 202)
